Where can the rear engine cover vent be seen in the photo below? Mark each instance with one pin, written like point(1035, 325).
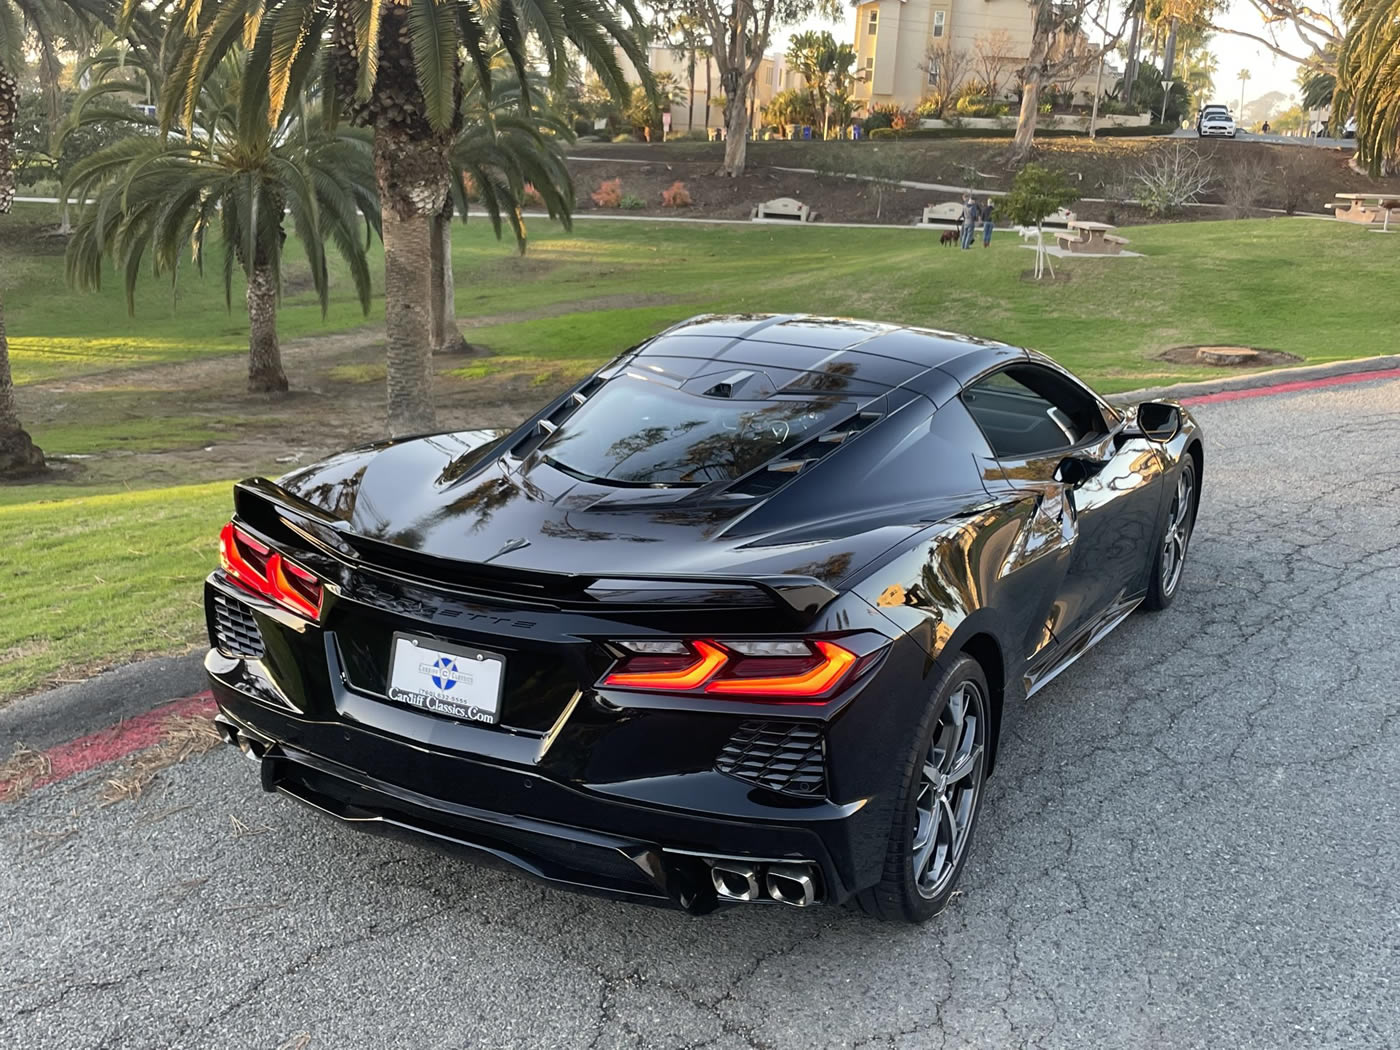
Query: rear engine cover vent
point(782, 756)
point(235, 631)
point(779, 471)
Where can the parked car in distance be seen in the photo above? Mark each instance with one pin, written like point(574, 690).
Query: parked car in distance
point(739, 619)
point(1215, 120)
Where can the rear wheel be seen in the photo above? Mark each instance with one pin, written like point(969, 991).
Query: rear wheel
point(1176, 538)
point(937, 809)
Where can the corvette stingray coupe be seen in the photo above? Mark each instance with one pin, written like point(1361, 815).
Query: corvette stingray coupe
point(740, 618)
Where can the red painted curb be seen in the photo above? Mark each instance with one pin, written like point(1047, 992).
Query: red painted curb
point(1288, 388)
point(114, 742)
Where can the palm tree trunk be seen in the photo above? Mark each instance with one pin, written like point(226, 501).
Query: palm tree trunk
point(446, 337)
point(708, 86)
point(690, 92)
point(18, 454)
point(9, 111)
point(265, 373)
point(413, 179)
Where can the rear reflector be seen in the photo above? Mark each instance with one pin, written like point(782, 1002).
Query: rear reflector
point(257, 568)
point(779, 671)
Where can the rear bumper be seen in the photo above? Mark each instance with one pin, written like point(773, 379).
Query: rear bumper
point(607, 839)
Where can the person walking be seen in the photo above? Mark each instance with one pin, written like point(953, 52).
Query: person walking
point(969, 230)
point(987, 207)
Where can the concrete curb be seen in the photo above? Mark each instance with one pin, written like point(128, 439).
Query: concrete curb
point(1255, 380)
point(54, 717)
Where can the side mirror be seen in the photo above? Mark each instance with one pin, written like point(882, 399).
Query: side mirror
point(1158, 421)
point(1075, 470)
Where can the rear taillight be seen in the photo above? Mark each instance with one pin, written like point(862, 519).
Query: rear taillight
point(258, 568)
point(778, 671)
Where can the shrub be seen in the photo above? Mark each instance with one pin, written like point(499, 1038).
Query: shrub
point(624, 137)
point(970, 89)
point(631, 202)
point(882, 134)
point(974, 106)
point(1243, 184)
point(531, 197)
point(608, 194)
point(1171, 179)
point(1295, 178)
point(583, 127)
point(886, 115)
point(677, 196)
point(930, 107)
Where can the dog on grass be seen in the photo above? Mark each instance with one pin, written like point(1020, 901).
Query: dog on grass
point(950, 236)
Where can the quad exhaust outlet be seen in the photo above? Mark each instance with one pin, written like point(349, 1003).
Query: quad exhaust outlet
point(786, 883)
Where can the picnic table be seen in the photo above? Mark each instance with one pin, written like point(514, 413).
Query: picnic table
point(1365, 208)
point(1083, 237)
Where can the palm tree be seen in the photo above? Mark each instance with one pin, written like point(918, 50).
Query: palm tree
point(504, 153)
point(1243, 75)
point(43, 21)
point(240, 177)
point(396, 67)
point(1368, 80)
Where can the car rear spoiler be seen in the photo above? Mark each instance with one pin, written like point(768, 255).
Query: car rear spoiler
point(265, 506)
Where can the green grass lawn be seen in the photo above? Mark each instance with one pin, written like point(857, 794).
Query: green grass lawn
point(97, 579)
point(1293, 285)
point(93, 574)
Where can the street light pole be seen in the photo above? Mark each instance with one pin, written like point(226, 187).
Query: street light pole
point(1166, 96)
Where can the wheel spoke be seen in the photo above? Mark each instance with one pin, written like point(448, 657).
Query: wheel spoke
point(965, 764)
point(957, 706)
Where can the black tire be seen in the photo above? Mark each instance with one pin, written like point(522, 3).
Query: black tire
point(957, 725)
point(1174, 538)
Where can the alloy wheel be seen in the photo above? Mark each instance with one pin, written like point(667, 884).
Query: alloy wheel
point(1178, 534)
point(950, 784)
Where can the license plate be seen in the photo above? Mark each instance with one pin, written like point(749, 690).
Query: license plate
point(452, 680)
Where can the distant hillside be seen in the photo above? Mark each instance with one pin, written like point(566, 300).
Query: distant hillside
point(1265, 107)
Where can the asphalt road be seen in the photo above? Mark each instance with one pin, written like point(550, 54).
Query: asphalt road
point(1193, 840)
point(1320, 141)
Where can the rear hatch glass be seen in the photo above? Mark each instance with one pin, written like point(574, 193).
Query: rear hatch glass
point(637, 432)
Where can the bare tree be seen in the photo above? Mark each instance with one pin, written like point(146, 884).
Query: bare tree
point(739, 33)
point(946, 66)
point(991, 58)
point(1051, 57)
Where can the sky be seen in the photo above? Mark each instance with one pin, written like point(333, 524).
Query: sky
point(1268, 71)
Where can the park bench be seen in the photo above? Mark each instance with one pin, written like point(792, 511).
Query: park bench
point(945, 216)
point(782, 209)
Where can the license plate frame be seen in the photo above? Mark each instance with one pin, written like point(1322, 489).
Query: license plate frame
point(421, 683)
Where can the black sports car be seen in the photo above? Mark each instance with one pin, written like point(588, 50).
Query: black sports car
point(741, 617)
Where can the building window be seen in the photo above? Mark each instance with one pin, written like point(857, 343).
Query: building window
point(933, 74)
point(869, 66)
point(874, 21)
point(939, 17)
